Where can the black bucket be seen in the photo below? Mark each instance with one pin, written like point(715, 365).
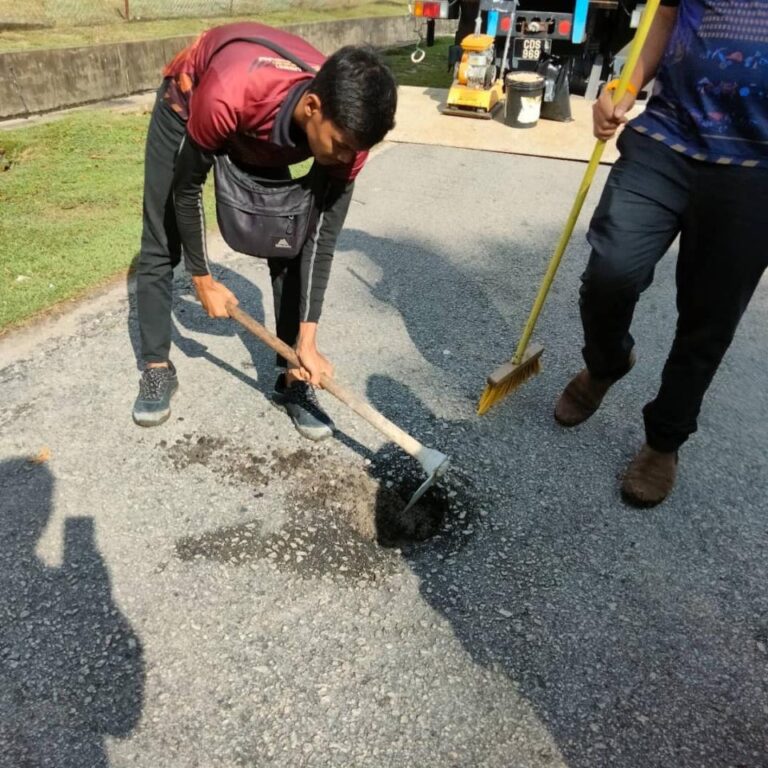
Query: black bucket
point(525, 91)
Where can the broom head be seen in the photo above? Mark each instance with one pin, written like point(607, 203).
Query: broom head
point(509, 377)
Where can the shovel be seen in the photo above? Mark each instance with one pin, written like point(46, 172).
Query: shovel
point(434, 463)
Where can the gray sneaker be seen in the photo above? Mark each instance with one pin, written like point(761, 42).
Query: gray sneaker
point(300, 402)
point(153, 405)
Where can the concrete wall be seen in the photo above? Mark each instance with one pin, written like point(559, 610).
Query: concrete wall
point(42, 81)
point(32, 82)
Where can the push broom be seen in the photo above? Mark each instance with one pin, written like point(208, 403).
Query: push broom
point(526, 362)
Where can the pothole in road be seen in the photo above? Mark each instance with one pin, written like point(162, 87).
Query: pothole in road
point(342, 518)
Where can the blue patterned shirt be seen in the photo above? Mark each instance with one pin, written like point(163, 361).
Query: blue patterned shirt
point(710, 97)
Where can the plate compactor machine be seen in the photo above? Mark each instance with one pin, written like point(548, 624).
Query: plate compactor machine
point(478, 86)
point(476, 89)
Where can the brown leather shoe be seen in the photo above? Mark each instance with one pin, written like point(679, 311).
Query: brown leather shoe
point(583, 395)
point(650, 477)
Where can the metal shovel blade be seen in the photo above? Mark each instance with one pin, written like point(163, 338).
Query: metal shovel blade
point(436, 464)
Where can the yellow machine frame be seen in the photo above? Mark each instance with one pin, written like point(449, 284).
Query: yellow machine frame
point(473, 102)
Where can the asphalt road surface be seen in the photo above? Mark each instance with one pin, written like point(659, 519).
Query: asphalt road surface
point(211, 592)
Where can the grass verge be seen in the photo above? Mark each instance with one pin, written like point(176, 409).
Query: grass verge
point(70, 208)
point(431, 73)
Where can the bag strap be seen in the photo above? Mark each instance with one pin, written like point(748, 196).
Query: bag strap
point(274, 47)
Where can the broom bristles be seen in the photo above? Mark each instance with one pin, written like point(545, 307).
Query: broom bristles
point(498, 388)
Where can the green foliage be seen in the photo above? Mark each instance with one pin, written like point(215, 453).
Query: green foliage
point(70, 208)
point(431, 73)
point(65, 30)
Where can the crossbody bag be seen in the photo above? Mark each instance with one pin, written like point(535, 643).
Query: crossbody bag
point(268, 218)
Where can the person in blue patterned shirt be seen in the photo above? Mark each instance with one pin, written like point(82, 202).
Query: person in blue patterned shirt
point(693, 164)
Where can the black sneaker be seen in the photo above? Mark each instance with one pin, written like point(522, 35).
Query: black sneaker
point(299, 401)
point(153, 405)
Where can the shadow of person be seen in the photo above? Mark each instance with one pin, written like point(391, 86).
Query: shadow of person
point(131, 319)
point(71, 667)
point(188, 315)
point(189, 322)
point(638, 640)
point(432, 296)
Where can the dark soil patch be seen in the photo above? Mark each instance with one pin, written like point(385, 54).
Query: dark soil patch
point(309, 548)
point(372, 507)
point(295, 461)
point(224, 545)
point(339, 513)
point(221, 456)
point(190, 450)
point(447, 515)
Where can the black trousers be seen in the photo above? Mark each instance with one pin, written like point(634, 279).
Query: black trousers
point(161, 246)
point(653, 194)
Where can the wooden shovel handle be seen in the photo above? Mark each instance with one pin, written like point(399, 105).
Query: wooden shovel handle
point(377, 420)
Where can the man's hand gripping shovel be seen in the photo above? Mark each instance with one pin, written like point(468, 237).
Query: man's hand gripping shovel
point(434, 463)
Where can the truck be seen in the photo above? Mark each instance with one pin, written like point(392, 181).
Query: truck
point(584, 39)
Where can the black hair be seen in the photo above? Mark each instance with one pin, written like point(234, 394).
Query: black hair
point(358, 93)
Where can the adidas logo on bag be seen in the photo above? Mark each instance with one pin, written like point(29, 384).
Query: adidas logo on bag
point(282, 243)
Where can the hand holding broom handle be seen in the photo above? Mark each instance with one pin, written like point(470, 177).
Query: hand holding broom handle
point(433, 462)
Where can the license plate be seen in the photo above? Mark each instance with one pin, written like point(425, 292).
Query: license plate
point(531, 48)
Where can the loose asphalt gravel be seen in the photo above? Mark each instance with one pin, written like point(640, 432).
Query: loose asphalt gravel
point(210, 593)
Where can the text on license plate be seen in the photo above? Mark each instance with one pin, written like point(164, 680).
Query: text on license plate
point(531, 48)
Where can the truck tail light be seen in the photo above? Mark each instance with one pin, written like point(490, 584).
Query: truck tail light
point(430, 9)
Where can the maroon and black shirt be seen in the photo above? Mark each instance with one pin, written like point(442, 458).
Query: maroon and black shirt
point(240, 99)
point(237, 98)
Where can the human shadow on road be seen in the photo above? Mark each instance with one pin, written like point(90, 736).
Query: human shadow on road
point(446, 310)
point(638, 641)
point(188, 316)
point(71, 667)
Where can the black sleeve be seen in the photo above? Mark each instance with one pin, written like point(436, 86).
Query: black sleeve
point(317, 254)
point(192, 167)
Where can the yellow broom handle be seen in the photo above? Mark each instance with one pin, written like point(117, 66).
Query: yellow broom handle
point(626, 73)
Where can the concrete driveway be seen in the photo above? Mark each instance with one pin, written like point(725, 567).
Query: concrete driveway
point(210, 593)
